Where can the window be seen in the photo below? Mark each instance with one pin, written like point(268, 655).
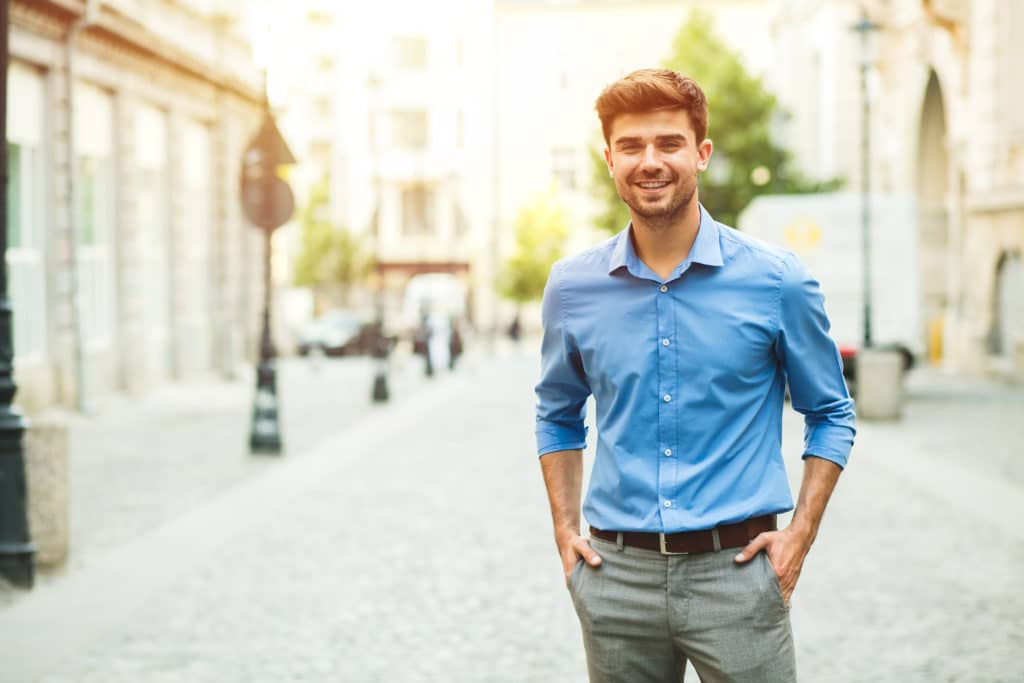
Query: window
point(25, 210)
point(15, 181)
point(409, 129)
point(410, 52)
point(417, 210)
point(94, 195)
point(24, 254)
point(563, 165)
point(196, 237)
point(153, 217)
point(95, 200)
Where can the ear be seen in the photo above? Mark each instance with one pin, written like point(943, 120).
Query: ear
point(608, 160)
point(704, 150)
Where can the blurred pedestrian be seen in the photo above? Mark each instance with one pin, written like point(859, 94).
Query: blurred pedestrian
point(685, 332)
point(515, 329)
point(455, 344)
point(421, 342)
point(439, 336)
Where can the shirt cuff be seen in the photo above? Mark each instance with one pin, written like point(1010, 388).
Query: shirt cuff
point(829, 442)
point(555, 437)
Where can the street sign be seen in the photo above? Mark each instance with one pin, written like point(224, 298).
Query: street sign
point(267, 199)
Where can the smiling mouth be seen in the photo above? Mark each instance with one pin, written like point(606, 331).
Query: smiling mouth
point(652, 184)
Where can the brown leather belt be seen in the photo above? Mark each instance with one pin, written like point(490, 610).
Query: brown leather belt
point(690, 542)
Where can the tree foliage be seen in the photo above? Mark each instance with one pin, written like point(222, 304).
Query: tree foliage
point(541, 231)
point(331, 259)
point(745, 162)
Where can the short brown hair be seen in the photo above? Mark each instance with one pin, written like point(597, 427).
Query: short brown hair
point(649, 90)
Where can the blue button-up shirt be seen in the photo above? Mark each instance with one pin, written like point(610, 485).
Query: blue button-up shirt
point(688, 375)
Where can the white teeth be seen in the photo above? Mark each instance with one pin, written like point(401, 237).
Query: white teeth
point(653, 185)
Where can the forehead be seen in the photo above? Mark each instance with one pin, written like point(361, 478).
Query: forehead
point(651, 124)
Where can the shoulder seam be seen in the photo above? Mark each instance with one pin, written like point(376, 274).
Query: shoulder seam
point(561, 301)
point(781, 274)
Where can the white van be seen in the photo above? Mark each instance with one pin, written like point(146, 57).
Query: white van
point(825, 231)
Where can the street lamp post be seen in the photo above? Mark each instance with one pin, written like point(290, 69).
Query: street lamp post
point(865, 29)
point(16, 548)
point(268, 203)
point(380, 348)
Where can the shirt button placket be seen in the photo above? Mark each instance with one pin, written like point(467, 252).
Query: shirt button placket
point(666, 412)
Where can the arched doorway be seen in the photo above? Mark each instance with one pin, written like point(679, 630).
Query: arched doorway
point(933, 216)
point(1007, 330)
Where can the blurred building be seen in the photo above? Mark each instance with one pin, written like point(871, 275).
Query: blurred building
point(947, 128)
point(441, 121)
point(391, 103)
point(145, 271)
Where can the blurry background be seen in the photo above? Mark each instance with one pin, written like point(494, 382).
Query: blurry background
point(447, 153)
point(425, 131)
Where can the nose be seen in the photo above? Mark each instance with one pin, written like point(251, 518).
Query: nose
point(650, 159)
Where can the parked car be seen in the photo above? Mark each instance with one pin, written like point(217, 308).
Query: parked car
point(338, 332)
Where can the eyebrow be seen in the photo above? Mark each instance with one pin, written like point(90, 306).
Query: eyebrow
point(675, 137)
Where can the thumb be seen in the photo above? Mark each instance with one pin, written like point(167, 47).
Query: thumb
point(587, 553)
point(759, 543)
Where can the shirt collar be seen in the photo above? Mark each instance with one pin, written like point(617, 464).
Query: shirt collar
point(706, 249)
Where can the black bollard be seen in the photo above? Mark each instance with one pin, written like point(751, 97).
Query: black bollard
point(381, 349)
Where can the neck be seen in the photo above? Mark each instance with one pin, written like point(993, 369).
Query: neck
point(663, 245)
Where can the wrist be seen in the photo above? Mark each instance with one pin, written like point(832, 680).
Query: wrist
point(566, 534)
point(803, 529)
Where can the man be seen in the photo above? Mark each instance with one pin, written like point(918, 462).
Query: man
point(685, 332)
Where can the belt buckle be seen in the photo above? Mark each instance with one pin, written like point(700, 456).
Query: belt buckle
point(664, 550)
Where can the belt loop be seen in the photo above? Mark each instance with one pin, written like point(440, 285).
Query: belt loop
point(715, 539)
point(618, 541)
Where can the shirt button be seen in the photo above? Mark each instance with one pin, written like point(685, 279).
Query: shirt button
point(668, 397)
point(665, 342)
point(668, 503)
point(664, 288)
point(668, 451)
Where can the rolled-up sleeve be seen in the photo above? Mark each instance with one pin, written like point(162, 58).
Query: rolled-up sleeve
point(813, 366)
point(563, 389)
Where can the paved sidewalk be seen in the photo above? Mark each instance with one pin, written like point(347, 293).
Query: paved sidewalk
point(415, 545)
point(136, 463)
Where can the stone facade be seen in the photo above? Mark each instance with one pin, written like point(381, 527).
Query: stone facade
point(164, 281)
point(946, 127)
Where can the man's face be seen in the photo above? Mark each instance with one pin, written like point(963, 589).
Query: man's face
point(654, 159)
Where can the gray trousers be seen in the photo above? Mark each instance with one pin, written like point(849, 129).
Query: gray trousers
point(645, 614)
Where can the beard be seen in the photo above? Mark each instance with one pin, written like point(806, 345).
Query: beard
point(664, 211)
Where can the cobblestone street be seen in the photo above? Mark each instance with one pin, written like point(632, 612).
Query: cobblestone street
point(413, 543)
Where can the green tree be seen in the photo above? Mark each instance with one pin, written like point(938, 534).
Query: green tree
point(331, 259)
point(746, 162)
point(541, 230)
